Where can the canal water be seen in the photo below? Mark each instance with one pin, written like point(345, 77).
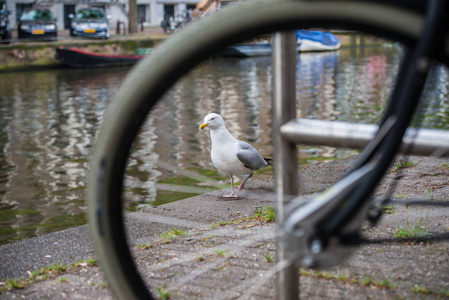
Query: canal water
point(49, 120)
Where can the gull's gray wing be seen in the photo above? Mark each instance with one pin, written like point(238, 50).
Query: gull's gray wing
point(250, 157)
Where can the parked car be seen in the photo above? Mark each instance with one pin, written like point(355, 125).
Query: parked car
point(37, 23)
point(5, 29)
point(90, 22)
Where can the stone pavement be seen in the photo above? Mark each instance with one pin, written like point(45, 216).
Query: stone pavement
point(210, 248)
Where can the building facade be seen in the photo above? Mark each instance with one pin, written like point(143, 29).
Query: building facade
point(150, 12)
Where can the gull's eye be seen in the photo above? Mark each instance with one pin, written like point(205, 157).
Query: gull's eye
point(212, 119)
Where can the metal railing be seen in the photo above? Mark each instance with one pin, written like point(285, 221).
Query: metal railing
point(288, 131)
point(285, 152)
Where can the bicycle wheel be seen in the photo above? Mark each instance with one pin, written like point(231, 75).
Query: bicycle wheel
point(152, 77)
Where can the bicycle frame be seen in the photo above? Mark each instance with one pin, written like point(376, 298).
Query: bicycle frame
point(345, 222)
point(318, 232)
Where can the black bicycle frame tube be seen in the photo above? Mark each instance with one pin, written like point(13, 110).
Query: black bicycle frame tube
point(404, 101)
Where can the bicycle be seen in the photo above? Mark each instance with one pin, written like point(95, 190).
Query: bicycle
point(171, 24)
point(308, 239)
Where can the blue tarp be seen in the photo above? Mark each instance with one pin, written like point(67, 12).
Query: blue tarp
point(325, 38)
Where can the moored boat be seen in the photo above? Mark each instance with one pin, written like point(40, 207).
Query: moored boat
point(317, 40)
point(306, 41)
point(251, 49)
point(78, 58)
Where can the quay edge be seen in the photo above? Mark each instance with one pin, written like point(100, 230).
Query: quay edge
point(39, 55)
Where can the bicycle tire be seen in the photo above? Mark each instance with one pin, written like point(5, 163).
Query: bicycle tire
point(154, 75)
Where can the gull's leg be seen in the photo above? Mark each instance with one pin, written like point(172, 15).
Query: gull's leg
point(244, 180)
point(232, 194)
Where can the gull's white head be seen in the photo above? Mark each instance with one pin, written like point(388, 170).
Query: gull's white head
point(212, 121)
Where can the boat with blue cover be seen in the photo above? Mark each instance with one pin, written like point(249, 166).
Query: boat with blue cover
point(306, 41)
point(317, 40)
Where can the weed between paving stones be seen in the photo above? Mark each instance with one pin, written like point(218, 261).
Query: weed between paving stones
point(45, 273)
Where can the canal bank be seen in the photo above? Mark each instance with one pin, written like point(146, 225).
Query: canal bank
point(226, 250)
point(36, 55)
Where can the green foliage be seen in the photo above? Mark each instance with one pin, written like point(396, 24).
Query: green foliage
point(16, 283)
point(223, 223)
point(421, 289)
point(163, 293)
point(372, 282)
point(367, 280)
point(429, 194)
point(389, 209)
point(265, 213)
point(38, 275)
point(412, 232)
point(221, 252)
point(144, 246)
point(168, 236)
point(268, 257)
point(91, 261)
point(403, 165)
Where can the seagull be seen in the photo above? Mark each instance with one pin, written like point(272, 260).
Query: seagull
point(229, 155)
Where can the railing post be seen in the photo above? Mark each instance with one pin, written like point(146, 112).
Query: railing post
point(285, 153)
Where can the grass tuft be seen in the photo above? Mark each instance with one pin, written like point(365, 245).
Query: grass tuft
point(45, 273)
point(163, 293)
point(145, 246)
point(389, 209)
point(268, 257)
point(265, 213)
point(168, 236)
point(412, 232)
point(421, 289)
point(403, 165)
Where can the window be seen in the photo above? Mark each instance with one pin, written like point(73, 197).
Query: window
point(20, 8)
point(31, 15)
point(68, 9)
point(142, 13)
point(169, 10)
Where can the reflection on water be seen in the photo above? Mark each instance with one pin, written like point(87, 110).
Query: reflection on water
point(50, 119)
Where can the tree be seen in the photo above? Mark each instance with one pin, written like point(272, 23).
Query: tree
point(132, 16)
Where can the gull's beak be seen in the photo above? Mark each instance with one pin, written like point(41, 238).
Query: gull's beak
point(202, 126)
